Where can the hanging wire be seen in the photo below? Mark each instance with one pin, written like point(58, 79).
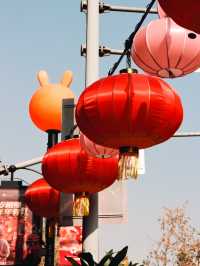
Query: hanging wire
point(71, 133)
point(129, 41)
point(30, 169)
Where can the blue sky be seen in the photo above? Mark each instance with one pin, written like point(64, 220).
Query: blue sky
point(47, 34)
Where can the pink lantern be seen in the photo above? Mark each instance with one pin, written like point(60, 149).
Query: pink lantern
point(161, 12)
point(166, 50)
point(96, 150)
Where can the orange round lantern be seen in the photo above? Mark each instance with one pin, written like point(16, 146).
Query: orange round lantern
point(68, 168)
point(42, 199)
point(129, 112)
point(45, 107)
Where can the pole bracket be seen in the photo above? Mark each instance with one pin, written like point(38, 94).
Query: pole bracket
point(103, 8)
point(103, 51)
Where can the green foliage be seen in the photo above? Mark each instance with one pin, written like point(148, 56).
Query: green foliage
point(110, 259)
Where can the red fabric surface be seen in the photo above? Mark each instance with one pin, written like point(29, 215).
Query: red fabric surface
point(129, 110)
point(183, 12)
point(68, 168)
point(42, 199)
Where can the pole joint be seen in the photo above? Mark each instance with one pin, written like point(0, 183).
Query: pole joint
point(103, 51)
point(103, 8)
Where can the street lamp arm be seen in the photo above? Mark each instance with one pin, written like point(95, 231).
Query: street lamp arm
point(29, 162)
point(6, 169)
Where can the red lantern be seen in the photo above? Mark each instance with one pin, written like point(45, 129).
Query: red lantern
point(68, 168)
point(96, 150)
point(42, 199)
point(129, 112)
point(183, 12)
point(165, 49)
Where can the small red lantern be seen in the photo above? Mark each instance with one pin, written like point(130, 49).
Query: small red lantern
point(183, 12)
point(68, 168)
point(42, 199)
point(129, 112)
point(96, 150)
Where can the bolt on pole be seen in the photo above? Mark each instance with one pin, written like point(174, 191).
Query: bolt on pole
point(90, 223)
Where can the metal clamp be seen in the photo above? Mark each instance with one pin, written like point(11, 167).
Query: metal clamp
point(107, 8)
point(103, 51)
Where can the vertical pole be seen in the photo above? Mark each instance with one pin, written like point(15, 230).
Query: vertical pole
point(50, 223)
point(92, 41)
point(90, 223)
point(68, 106)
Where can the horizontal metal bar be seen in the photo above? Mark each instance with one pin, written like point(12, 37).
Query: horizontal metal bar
point(186, 134)
point(127, 9)
point(29, 163)
point(103, 51)
point(107, 8)
point(6, 169)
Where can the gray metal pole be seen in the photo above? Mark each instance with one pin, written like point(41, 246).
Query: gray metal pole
point(90, 223)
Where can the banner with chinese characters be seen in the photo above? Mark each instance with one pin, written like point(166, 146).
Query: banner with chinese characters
point(18, 234)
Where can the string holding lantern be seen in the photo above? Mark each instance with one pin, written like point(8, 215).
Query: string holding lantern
point(185, 13)
point(96, 150)
point(68, 168)
point(137, 111)
point(45, 106)
point(161, 12)
point(166, 49)
point(42, 199)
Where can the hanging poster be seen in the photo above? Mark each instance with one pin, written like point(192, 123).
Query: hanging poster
point(69, 244)
point(18, 234)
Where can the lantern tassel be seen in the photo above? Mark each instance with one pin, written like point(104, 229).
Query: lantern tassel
point(128, 163)
point(81, 204)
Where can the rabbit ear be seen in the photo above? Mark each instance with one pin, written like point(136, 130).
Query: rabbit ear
point(43, 77)
point(67, 78)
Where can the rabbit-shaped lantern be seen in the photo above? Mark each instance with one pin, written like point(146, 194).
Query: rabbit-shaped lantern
point(46, 103)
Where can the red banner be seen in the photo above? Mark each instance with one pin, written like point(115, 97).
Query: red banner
point(70, 244)
point(18, 234)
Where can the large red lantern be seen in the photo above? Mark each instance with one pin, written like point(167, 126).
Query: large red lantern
point(68, 168)
point(166, 49)
point(42, 199)
point(183, 12)
point(129, 112)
